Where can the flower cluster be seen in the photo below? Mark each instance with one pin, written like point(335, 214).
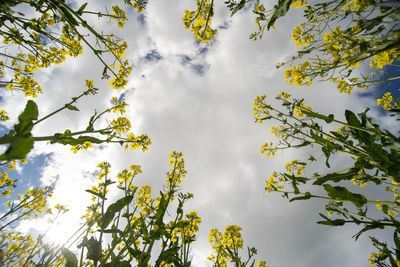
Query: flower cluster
point(356, 5)
point(298, 109)
point(34, 201)
point(278, 132)
point(187, 229)
point(272, 183)
point(118, 106)
point(140, 5)
point(340, 46)
point(119, 16)
point(360, 178)
point(388, 102)
point(298, 74)
point(260, 108)
point(125, 177)
point(16, 248)
point(5, 180)
point(227, 246)
point(222, 243)
point(269, 149)
point(385, 58)
point(199, 21)
point(134, 142)
point(298, 3)
point(40, 42)
point(295, 167)
point(85, 146)
point(144, 200)
point(120, 81)
point(301, 38)
point(175, 176)
point(121, 125)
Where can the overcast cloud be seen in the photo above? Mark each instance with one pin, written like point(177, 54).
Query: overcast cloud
point(198, 99)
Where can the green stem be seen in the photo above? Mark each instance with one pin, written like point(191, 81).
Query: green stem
point(51, 137)
point(373, 202)
point(60, 109)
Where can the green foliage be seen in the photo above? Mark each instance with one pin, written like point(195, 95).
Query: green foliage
point(372, 154)
point(70, 258)
point(113, 209)
point(280, 10)
point(20, 140)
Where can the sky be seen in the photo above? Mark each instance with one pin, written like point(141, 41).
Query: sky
point(197, 99)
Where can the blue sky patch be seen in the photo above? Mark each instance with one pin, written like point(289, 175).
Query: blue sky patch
point(141, 19)
point(153, 56)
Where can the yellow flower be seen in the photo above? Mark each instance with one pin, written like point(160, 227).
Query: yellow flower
point(283, 95)
point(269, 149)
point(89, 83)
point(121, 125)
point(199, 21)
point(140, 5)
point(83, 146)
point(385, 101)
point(295, 167)
point(7, 192)
point(3, 115)
point(298, 3)
point(300, 38)
point(119, 15)
point(61, 208)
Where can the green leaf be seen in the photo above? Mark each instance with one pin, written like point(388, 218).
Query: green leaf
point(100, 195)
point(238, 7)
point(373, 225)
point(306, 196)
point(80, 10)
point(30, 112)
point(20, 139)
point(327, 119)
point(340, 137)
point(162, 207)
point(280, 10)
point(71, 107)
point(337, 222)
point(68, 140)
point(168, 255)
point(118, 263)
point(94, 249)
point(352, 118)
point(335, 177)
point(112, 231)
point(341, 193)
point(141, 256)
point(18, 149)
point(112, 209)
point(65, 13)
point(25, 125)
point(70, 257)
point(327, 153)
point(134, 252)
point(318, 138)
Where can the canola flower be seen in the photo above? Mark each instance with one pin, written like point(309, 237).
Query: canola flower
point(300, 38)
point(199, 21)
point(51, 39)
point(227, 245)
point(388, 102)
